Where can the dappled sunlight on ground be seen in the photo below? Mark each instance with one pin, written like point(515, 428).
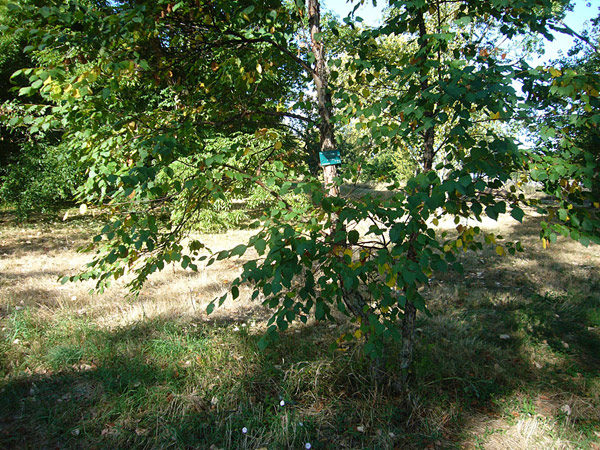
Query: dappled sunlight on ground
point(509, 359)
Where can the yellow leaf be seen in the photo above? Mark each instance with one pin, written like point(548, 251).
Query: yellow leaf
point(392, 282)
point(278, 145)
point(500, 250)
point(544, 243)
point(554, 72)
point(447, 248)
point(495, 116)
point(384, 309)
point(459, 243)
point(596, 205)
point(357, 334)
point(76, 93)
point(436, 222)
point(366, 92)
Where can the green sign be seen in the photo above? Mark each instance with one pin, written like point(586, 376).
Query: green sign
point(330, 157)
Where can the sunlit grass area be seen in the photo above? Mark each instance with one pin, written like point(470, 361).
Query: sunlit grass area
point(510, 357)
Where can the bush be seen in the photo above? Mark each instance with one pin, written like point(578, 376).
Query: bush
point(42, 178)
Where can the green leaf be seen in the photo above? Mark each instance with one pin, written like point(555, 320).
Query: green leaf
point(263, 343)
point(210, 308)
point(517, 213)
point(260, 245)
point(320, 310)
point(239, 250)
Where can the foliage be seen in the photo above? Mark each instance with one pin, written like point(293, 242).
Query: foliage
point(36, 173)
point(11, 59)
point(566, 156)
point(142, 88)
point(43, 177)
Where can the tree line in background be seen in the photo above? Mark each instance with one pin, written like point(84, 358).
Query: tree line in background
point(168, 115)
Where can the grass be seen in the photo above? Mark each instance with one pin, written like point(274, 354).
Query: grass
point(509, 359)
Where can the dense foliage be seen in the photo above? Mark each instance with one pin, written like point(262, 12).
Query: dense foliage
point(176, 107)
point(36, 172)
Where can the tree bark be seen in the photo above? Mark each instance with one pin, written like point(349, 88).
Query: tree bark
point(429, 133)
point(321, 80)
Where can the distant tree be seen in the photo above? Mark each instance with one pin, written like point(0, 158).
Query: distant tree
point(12, 58)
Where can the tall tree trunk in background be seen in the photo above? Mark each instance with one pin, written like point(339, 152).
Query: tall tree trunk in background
point(353, 299)
point(320, 77)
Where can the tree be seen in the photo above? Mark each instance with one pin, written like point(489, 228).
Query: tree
point(566, 156)
point(36, 173)
point(146, 88)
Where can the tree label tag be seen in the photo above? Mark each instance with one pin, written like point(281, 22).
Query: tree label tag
point(330, 157)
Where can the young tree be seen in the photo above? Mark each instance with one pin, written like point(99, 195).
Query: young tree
point(145, 87)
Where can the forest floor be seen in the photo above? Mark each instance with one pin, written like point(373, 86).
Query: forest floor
point(508, 359)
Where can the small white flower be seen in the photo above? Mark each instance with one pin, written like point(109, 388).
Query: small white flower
point(282, 403)
point(301, 424)
point(244, 430)
point(307, 446)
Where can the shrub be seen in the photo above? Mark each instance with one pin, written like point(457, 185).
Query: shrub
point(43, 177)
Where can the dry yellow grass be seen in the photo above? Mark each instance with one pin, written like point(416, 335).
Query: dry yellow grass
point(34, 257)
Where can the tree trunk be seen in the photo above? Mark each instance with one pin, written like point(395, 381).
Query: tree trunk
point(429, 133)
point(410, 312)
point(320, 77)
point(353, 299)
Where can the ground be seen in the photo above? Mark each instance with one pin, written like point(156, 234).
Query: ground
point(509, 358)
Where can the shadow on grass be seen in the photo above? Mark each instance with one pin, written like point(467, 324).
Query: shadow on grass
point(496, 346)
point(164, 383)
point(513, 331)
point(160, 384)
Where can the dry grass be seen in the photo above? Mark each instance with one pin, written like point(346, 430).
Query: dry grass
point(540, 388)
point(34, 257)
